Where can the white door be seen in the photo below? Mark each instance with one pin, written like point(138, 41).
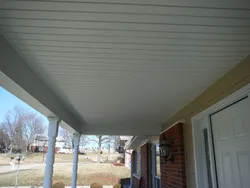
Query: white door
point(231, 131)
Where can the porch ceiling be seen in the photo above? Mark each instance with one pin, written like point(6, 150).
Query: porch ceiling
point(124, 67)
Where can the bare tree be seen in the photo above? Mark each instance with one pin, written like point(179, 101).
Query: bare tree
point(22, 126)
point(99, 140)
point(84, 140)
point(19, 140)
point(4, 139)
point(32, 125)
point(117, 142)
point(68, 137)
point(12, 123)
point(110, 141)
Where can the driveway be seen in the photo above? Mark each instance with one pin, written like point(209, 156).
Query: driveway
point(29, 166)
point(8, 168)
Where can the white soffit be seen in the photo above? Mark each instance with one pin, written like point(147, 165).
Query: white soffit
point(120, 63)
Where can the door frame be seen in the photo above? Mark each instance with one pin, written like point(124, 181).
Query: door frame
point(201, 122)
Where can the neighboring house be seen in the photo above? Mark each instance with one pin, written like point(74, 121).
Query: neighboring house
point(123, 140)
point(40, 144)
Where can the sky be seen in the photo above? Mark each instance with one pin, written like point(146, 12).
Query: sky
point(8, 101)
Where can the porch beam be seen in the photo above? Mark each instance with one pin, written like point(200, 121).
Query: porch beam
point(76, 137)
point(14, 67)
point(133, 129)
point(50, 156)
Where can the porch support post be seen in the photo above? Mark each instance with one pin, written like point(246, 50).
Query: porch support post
point(50, 156)
point(76, 137)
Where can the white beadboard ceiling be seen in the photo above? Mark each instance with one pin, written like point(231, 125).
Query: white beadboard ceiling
point(127, 63)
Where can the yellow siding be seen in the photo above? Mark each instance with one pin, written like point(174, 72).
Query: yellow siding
point(235, 79)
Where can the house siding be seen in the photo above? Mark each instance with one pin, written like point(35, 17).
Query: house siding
point(232, 81)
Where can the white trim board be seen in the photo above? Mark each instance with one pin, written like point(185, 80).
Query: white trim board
point(165, 129)
point(241, 93)
point(199, 123)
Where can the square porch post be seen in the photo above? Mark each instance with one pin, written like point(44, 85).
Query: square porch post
point(76, 138)
point(50, 156)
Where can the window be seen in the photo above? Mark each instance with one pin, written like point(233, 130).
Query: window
point(158, 161)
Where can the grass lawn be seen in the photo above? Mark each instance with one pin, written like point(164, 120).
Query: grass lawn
point(59, 158)
point(88, 171)
point(104, 174)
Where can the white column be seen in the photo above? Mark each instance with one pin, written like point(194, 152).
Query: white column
point(50, 156)
point(76, 137)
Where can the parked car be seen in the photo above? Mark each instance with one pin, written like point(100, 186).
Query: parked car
point(65, 150)
point(81, 152)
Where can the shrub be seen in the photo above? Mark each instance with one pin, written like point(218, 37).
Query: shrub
point(117, 186)
point(118, 164)
point(58, 185)
point(95, 185)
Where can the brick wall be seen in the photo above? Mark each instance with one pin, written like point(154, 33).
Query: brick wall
point(145, 169)
point(173, 173)
point(145, 165)
point(136, 181)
